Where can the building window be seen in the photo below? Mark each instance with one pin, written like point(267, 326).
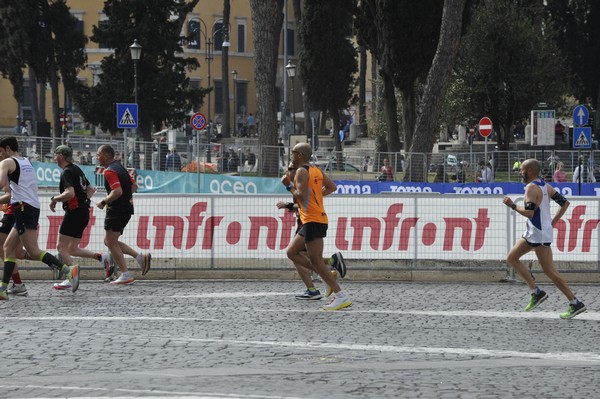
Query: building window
point(290, 42)
point(218, 36)
point(241, 38)
point(193, 34)
point(103, 26)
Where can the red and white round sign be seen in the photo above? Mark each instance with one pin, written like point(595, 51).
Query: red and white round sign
point(485, 126)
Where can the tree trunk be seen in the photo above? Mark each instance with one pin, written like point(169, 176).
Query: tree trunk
point(409, 115)
point(437, 82)
point(225, 128)
point(362, 92)
point(391, 112)
point(267, 20)
point(33, 91)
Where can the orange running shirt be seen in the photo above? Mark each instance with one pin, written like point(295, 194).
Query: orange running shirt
point(312, 209)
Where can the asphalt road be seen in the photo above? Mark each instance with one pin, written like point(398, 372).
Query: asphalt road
point(252, 339)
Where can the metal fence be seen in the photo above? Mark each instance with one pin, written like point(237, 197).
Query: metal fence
point(245, 155)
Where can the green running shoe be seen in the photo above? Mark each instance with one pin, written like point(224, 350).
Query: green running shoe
point(536, 300)
point(573, 311)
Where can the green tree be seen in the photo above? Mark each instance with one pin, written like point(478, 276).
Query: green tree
point(575, 23)
point(43, 36)
point(267, 20)
point(164, 93)
point(506, 65)
point(328, 61)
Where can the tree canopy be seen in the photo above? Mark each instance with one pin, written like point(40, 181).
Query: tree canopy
point(328, 59)
point(164, 93)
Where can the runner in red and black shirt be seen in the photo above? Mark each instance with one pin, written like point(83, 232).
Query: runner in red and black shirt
point(120, 187)
point(75, 193)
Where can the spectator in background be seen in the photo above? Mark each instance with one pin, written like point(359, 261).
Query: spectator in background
point(163, 150)
point(560, 130)
point(485, 173)
point(559, 174)
point(251, 157)
point(173, 161)
point(460, 175)
point(517, 166)
point(387, 173)
point(251, 126)
point(89, 159)
point(440, 175)
point(233, 161)
point(587, 176)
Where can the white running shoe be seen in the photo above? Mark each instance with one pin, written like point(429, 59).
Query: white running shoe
point(124, 279)
point(328, 289)
point(65, 285)
point(17, 289)
point(338, 302)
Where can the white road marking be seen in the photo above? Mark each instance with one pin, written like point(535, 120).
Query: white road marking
point(564, 356)
point(155, 394)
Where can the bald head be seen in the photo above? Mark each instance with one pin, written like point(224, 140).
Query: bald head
point(532, 165)
point(304, 149)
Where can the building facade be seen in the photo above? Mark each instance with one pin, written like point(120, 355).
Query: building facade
point(205, 24)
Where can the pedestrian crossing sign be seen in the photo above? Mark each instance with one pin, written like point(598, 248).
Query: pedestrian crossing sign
point(127, 115)
point(582, 137)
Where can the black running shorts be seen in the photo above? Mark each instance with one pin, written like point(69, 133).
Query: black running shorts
point(7, 223)
point(26, 217)
point(116, 220)
point(312, 231)
point(75, 222)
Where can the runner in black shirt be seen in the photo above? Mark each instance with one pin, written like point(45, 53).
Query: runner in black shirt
point(75, 194)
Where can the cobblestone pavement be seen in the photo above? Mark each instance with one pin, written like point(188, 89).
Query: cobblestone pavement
point(252, 339)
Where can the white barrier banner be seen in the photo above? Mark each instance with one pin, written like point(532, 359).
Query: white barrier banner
point(448, 227)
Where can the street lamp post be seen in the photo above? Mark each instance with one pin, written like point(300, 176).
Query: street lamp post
point(136, 52)
point(235, 127)
point(209, 58)
point(291, 72)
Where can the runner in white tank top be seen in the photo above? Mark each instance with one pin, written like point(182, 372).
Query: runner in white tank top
point(19, 173)
point(23, 183)
point(539, 226)
point(538, 237)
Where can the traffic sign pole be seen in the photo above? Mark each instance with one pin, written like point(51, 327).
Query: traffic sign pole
point(485, 129)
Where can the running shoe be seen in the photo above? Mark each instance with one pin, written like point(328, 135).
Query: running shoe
point(109, 268)
point(3, 295)
point(573, 311)
point(144, 261)
point(17, 289)
point(124, 279)
point(65, 285)
point(339, 264)
point(338, 302)
point(536, 300)
point(73, 277)
point(309, 295)
point(328, 289)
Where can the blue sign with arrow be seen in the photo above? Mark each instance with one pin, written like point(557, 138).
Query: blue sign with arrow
point(581, 115)
point(127, 115)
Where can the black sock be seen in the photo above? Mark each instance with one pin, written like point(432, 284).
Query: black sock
point(51, 260)
point(9, 267)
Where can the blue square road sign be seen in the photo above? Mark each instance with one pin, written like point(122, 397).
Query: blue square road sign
point(127, 115)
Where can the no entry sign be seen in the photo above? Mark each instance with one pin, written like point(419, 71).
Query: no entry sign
point(485, 126)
